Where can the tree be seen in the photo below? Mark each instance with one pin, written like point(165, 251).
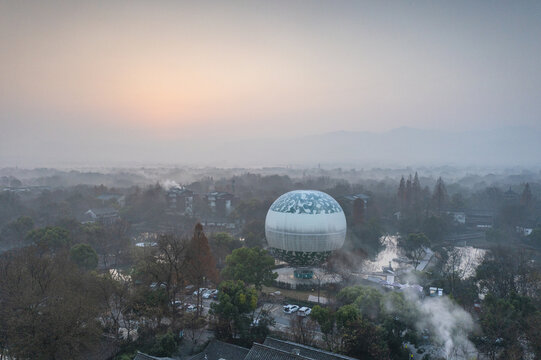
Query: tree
point(260, 326)
point(358, 215)
point(165, 345)
point(416, 191)
point(526, 198)
point(222, 244)
point(253, 233)
point(11, 207)
point(367, 236)
point(506, 271)
point(48, 309)
point(349, 294)
point(235, 303)
point(369, 303)
point(346, 315)
point(200, 265)
point(414, 247)
point(327, 323)
point(116, 296)
point(166, 267)
point(439, 196)
point(408, 192)
point(435, 227)
point(117, 242)
point(145, 205)
point(365, 340)
point(50, 237)
point(84, 256)
point(303, 329)
point(535, 236)
point(504, 322)
point(402, 193)
point(19, 228)
point(389, 316)
point(251, 265)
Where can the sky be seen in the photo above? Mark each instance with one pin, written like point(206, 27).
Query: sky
point(76, 76)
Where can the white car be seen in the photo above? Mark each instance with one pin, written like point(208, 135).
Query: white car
point(207, 294)
point(304, 311)
point(190, 307)
point(201, 290)
point(289, 309)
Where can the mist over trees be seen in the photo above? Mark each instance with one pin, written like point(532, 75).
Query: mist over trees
point(140, 295)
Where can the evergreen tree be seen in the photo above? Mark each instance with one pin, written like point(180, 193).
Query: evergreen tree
point(416, 190)
point(440, 194)
point(251, 265)
point(526, 197)
point(200, 264)
point(358, 211)
point(409, 191)
point(402, 193)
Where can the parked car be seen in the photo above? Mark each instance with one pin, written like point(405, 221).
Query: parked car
point(289, 309)
point(190, 307)
point(304, 311)
point(201, 290)
point(210, 293)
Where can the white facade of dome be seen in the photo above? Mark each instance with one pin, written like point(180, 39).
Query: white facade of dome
point(305, 221)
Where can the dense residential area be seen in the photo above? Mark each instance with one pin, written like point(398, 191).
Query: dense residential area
point(429, 268)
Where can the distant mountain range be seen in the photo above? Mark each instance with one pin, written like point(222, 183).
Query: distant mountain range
point(516, 146)
point(508, 147)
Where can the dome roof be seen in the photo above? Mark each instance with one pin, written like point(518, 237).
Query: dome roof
point(306, 202)
point(306, 221)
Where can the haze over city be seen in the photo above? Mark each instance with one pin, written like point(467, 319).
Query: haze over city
point(269, 83)
point(278, 179)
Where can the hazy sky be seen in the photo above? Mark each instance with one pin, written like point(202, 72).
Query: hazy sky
point(76, 75)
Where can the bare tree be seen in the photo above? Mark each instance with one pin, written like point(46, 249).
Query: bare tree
point(303, 330)
point(48, 309)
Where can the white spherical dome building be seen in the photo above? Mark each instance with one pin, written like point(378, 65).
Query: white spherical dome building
point(303, 227)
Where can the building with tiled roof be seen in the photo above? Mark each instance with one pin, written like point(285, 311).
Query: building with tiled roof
point(303, 350)
point(218, 350)
point(142, 356)
point(271, 349)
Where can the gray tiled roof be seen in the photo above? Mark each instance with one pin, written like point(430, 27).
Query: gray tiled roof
point(264, 352)
point(306, 351)
point(142, 356)
point(217, 350)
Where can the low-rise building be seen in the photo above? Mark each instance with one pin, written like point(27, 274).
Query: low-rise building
point(107, 199)
point(220, 203)
point(270, 349)
point(354, 206)
point(104, 216)
point(481, 219)
point(180, 200)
